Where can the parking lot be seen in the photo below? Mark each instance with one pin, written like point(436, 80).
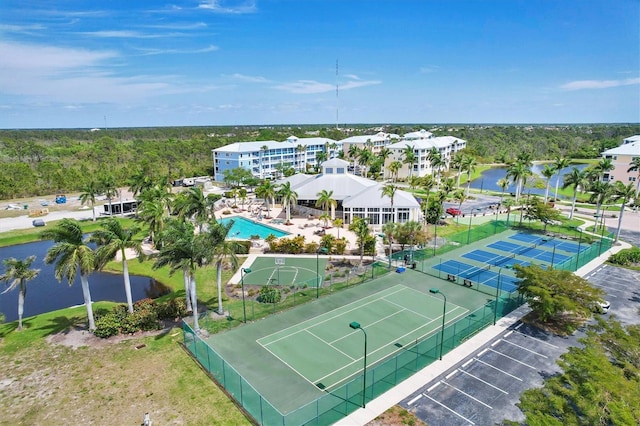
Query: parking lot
point(484, 388)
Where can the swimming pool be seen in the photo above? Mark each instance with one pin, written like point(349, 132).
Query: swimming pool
point(244, 228)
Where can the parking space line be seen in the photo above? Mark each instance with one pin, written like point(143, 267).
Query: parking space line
point(496, 368)
point(469, 396)
point(608, 288)
point(450, 374)
point(485, 382)
point(526, 349)
point(513, 359)
point(467, 363)
point(453, 411)
point(508, 334)
point(414, 399)
point(536, 339)
point(433, 386)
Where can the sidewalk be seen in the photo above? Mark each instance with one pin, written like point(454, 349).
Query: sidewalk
point(392, 397)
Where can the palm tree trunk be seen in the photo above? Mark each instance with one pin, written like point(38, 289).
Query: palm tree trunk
point(93, 211)
point(546, 193)
point(219, 281)
point(20, 308)
point(194, 304)
point(573, 203)
point(187, 287)
point(619, 222)
point(84, 280)
point(557, 184)
point(127, 282)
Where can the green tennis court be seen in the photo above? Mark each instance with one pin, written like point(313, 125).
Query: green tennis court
point(392, 318)
point(286, 271)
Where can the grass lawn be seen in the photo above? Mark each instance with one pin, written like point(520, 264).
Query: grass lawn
point(106, 383)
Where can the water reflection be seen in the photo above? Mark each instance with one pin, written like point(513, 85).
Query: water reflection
point(45, 293)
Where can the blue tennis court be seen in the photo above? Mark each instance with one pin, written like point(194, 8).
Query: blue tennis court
point(567, 246)
point(493, 259)
point(529, 251)
point(480, 275)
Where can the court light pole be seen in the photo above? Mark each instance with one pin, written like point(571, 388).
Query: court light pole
point(495, 311)
point(553, 255)
point(324, 251)
point(470, 217)
point(244, 307)
point(356, 326)
point(444, 311)
point(579, 244)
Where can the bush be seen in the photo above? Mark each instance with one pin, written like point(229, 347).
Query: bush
point(172, 309)
point(269, 294)
point(626, 257)
point(146, 316)
point(108, 325)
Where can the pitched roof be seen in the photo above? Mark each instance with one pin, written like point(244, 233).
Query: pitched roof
point(372, 197)
point(292, 142)
point(632, 148)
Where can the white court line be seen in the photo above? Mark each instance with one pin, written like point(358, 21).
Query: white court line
point(513, 359)
point(414, 399)
point(536, 339)
point(329, 344)
point(454, 412)
point(330, 316)
point(526, 349)
point(285, 363)
point(469, 396)
point(405, 309)
point(485, 382)
point(496, 368)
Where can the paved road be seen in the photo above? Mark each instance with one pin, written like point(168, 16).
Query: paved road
point(483, 388)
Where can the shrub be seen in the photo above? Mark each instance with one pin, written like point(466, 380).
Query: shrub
point(626, 257)
point(171, 309)
point(269, 294)
point(107, 325)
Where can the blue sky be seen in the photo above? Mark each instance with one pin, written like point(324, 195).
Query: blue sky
point(116, 63)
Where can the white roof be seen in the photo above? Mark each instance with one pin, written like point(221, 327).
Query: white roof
point(372, 197)
point(381, 136)
point(420, 134)
point(630, 139)
point(335, 162)
point(439, 142)
point(632, 148)
point(289, 143)
point(342, 185)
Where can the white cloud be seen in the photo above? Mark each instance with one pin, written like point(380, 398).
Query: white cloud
point(22, 57)
point(599, 84)
point(229, 6)
point(429, 69)
point(210, 48)
point(249, 78)
point(123, 34)
point(312, 86)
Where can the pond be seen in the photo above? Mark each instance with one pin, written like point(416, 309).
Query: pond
point(45, 293)
point(488, 180)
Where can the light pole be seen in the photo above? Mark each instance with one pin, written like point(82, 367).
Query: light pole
point(244, 307)
point(469, 231)
point(579, 244)
point(495, 312)
point(598, 216)
point(357, 326)
point(553, 255)
point(322, 250)
point(444, 312)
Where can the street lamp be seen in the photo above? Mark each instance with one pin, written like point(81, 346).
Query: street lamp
point(322, 250)
point(579, 244)
point(598, 216)
point(444, 312)
point(244, 307)
point(356, 326)
point(469, 231)
point(495, 313)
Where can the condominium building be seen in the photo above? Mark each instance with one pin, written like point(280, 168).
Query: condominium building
point(621, 157)
point(374, 142)
point(422, 143)
point(265, 159)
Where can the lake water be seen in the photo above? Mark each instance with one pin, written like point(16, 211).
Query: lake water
point(45, 293)
point(488, 180)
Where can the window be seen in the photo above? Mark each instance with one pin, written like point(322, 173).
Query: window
point(328, 170)
point(340, 170)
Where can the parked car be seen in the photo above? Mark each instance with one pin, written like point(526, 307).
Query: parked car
point(453, 211)
point(38, 222)
point(602, 307)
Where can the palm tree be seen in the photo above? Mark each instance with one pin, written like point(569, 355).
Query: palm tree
point(139, 182)
point(366, 157)
point(321, 157)
point(409, 157)
point(414, 181)
point(152, 213)
point(518, 172)
point(436, 162)
point(114, 239)
point(601, 193)
point(267, 191)
point(548, 172)
point(71, 254)
point(354, 153)
point(337, 223)
point(263, 151)
point(360, 227)
point(325, 201)
point(19, 273)
point(301, 150)
point(559, 164)
point(222, 251)
point(183, 249)
point(576, 179)
point(192, 204)
point(457, 162)
point(504, 184)
point(383, 154)
point(461, 196)
point(242, 194)
point(389, 229)
point(107, 185)
point(389, 190)
point(172, 240)
point(394, 168)
point(289, 197)
point(469, 164)
point(604, 165)
point(88, 195)
point(635, 166)
point(427, 184)
point(624, 193)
